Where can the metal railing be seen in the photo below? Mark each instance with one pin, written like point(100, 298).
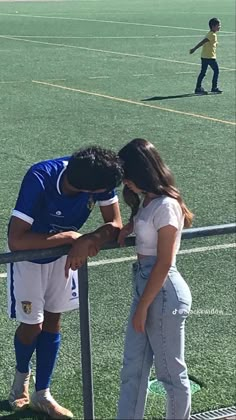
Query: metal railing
point(85, 335)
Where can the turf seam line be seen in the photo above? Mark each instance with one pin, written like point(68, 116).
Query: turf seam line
point(108, 52)
point(129, 101)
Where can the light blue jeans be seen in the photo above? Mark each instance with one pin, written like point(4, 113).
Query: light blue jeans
point(163, 341)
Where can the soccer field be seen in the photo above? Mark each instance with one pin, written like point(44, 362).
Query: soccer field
point(75, 73)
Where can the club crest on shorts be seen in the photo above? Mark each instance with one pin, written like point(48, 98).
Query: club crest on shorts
point(90, 204)
point(27, 307)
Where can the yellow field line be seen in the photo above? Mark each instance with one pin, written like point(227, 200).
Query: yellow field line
point(129, 101)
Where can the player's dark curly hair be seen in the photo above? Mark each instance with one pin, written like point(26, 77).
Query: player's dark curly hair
point(144, 166)
point(94, 168)
point(213, 22)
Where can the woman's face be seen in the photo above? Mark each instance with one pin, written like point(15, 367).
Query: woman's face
point(131, 185)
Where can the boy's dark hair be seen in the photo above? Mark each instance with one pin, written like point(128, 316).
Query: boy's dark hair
point(213, 22)
point(94, 168)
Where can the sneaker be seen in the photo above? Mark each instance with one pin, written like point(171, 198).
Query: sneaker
point(43, 401)
point(19, 394)
point(200, 91)
point(216, 90)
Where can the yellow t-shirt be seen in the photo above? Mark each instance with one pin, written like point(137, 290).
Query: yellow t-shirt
point(209, 48)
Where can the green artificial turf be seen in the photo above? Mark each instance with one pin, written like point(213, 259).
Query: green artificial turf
point(127, 70)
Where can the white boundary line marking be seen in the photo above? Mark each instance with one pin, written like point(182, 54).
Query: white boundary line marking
point(109, 21)
point(27, 81)
point(192, 36)
point(129, 101)
point(99, 77)
point(107, 51)
point(185, 72)
point(132, 258)
point(83, 37)
point(143, 74)
point(181, 252)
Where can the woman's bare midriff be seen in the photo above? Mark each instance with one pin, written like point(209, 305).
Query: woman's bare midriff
point(140, 256)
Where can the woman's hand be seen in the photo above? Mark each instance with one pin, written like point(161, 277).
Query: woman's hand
point(82, 248)
point(139, 318)
point(125, 231)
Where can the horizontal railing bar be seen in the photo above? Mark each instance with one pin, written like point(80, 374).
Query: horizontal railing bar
point(30, 255)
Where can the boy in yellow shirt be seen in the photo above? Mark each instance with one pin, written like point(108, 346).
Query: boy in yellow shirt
point(208, 57)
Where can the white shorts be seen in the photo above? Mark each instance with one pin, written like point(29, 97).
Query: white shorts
point(35, 288)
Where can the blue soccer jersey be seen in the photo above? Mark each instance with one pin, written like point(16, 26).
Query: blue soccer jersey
point(42, 204)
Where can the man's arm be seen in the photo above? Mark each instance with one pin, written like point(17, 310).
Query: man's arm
point(112, 225)
point(200, 44)
point(90, 244)
point(21, 237)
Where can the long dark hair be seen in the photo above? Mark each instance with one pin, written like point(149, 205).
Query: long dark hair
point(144, 166)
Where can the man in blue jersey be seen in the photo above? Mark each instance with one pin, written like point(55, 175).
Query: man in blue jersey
point(55, 199)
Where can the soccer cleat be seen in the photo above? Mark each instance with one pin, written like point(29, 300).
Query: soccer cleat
point(200, 91)
point(216, 90)
point(42, 401)
point(19, 394)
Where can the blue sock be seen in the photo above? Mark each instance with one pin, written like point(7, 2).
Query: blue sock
point(46, 354)
point(23, 354)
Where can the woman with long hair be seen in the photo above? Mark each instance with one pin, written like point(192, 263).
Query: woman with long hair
point(162, 299)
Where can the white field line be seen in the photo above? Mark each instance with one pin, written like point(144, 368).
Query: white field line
point(81, 37)
point(143, 74)
point(108, 21)
point(107, 37)
point(129, 101)
point(132, 258)
point(106, 51)
point(193, 72)
point(225, 69)
point(185, 72)
point(29, 81)
point(193, 36)
point(181, 252)
point(99, 77)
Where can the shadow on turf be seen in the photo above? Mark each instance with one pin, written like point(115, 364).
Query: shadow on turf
point(24, 414)
point(183, 95)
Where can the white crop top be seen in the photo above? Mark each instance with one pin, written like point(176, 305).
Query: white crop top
point(160, 212)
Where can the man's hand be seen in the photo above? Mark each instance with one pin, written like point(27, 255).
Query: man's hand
point(192, 51)
point(84, 247)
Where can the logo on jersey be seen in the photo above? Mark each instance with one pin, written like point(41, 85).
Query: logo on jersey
point(90, 204)
point(27, 307)
point(58, 228)
point(58, 213)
